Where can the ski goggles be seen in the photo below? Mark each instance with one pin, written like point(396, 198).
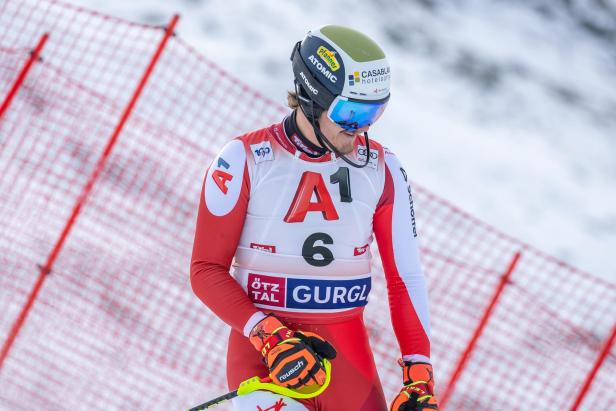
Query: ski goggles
point(353, 114)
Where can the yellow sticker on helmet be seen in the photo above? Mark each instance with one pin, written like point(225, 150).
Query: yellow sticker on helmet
point(329, 58)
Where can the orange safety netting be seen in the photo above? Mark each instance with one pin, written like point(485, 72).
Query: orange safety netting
point(115, 324)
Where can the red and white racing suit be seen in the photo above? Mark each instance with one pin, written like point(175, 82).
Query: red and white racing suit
point(300, 230)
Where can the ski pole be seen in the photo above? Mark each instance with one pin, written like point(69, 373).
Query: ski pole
point(266, 384)
point(215, 401)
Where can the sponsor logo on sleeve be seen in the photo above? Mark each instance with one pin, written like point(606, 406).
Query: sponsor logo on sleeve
point(406, 178)
point(408, 187)
point(374, 156)
point(221, 177)
point(223, 182)
point(262, 152)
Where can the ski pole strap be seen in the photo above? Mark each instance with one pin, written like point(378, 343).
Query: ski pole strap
point(266, 384)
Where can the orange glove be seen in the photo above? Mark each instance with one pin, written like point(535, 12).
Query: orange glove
point(294, 358)
point(418, 391)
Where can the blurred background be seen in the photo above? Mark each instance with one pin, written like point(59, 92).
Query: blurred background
point(506, 108)
point(501, 110)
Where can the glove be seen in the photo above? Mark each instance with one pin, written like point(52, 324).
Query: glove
point(418, 391)
point(294, 358)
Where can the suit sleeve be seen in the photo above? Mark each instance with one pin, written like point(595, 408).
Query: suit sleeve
point(220, 220)
point(396, 235)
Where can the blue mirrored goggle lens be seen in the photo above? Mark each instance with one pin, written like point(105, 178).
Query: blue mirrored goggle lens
point(352, 115)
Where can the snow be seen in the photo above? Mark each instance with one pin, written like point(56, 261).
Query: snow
point(505, 108)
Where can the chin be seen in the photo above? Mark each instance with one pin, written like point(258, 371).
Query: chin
point(346, 149)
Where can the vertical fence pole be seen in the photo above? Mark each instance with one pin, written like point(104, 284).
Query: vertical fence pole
point(607, 346)
point(34, 56)
point(480, 327)
point(46, 269)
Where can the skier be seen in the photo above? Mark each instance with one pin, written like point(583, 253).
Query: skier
point(297, 204)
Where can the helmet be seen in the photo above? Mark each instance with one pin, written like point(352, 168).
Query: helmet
point(344, 72)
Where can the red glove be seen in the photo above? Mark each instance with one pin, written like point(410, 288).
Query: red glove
point(294, 358)
point(418, 391)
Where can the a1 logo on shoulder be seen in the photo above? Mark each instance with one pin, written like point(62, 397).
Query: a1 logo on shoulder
point(224, 180)
point(221, 177)
point(262, 151)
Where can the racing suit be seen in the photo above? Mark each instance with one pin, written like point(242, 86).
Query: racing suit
point(282, 230)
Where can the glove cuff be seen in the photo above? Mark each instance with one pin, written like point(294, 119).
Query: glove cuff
point(415, 372)
point(267, 333)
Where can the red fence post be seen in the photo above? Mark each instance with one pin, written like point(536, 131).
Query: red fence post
point(609, 343)
point(480, 327)
point(34, 55)
point(45, 269)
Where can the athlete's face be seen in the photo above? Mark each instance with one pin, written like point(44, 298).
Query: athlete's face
point(340, 138)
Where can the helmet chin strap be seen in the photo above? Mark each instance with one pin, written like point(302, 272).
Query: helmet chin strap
point(325, 143)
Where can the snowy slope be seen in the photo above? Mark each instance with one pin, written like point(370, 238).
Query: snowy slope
point(506, 108)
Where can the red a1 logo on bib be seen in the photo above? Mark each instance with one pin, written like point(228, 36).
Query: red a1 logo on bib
point(311, 183)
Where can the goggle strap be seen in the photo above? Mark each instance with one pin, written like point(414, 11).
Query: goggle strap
point(326, 143)
point(313, 112)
